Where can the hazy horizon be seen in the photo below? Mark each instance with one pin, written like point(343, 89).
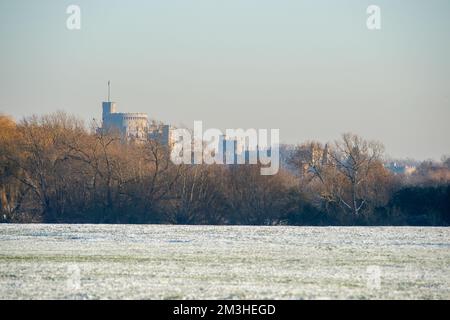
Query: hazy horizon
point(310, 68)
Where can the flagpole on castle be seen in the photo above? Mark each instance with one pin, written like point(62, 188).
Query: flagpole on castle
point(109, 91)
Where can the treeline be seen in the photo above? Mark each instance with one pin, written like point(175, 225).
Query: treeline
point(55, 170)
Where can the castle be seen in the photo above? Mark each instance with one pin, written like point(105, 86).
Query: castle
point(129, 125)
point(133, 126)
point(136, 127)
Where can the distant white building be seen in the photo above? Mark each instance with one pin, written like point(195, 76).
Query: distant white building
point(400, 168)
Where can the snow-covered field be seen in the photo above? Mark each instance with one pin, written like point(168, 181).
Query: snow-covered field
point(183, 262)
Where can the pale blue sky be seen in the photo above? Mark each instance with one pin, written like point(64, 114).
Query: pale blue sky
point(310, 68)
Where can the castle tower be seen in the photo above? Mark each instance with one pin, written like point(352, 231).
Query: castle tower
point(108, 106)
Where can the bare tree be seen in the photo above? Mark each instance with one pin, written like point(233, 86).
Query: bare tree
point(356, 159)
point(341, 175)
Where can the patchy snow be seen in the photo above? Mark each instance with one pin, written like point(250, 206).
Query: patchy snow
point(223, 262)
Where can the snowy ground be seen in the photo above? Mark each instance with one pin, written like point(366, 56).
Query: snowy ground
point(208, 262)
